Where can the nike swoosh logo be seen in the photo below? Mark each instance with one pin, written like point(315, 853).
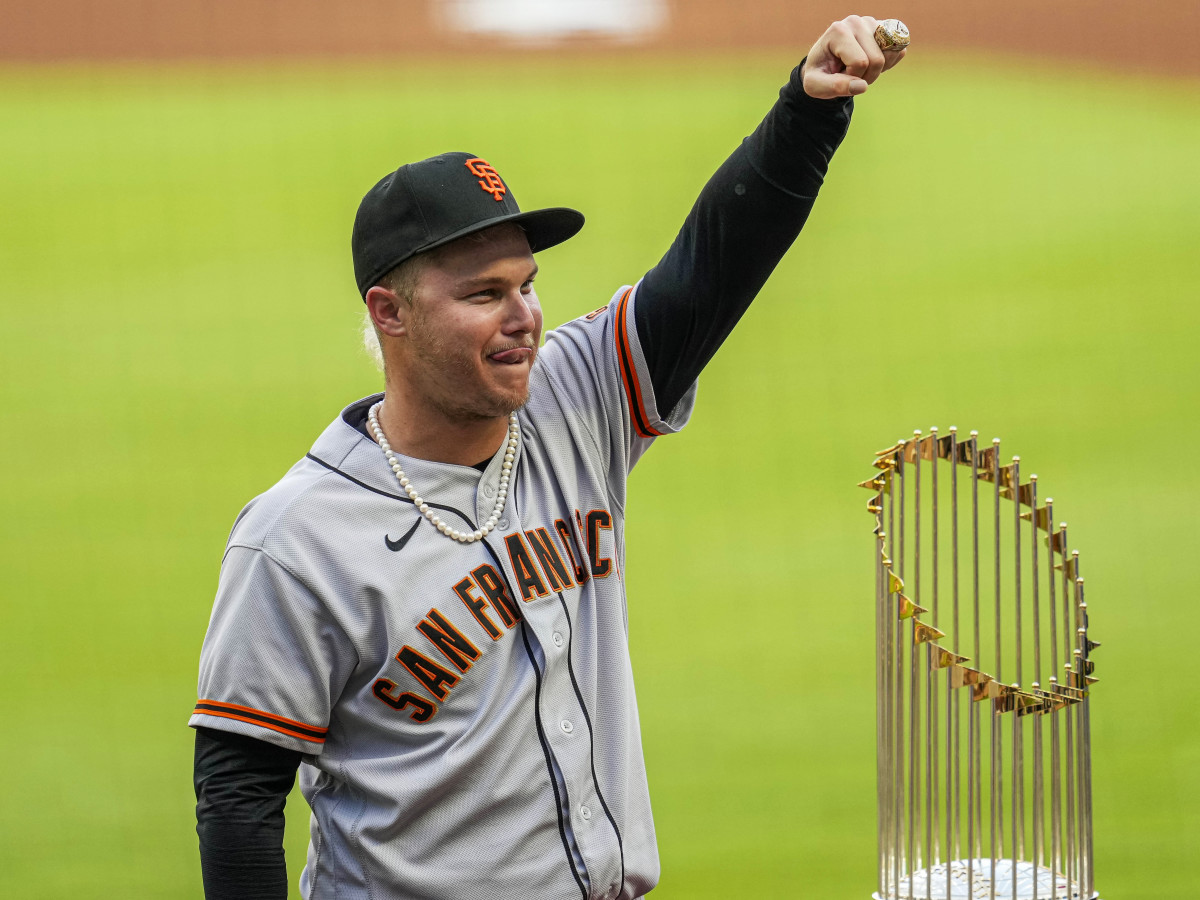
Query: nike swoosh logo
point(397, 546)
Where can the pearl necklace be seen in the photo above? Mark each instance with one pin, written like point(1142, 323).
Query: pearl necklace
point(463, 537)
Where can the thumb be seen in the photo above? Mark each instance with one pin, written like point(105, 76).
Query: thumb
point(826, 85)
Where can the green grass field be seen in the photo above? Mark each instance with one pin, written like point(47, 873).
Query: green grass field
point(997, 247)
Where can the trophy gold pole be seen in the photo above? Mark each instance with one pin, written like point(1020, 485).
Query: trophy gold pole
point(967, 811)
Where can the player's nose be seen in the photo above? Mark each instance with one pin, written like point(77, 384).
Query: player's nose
point(521, 312)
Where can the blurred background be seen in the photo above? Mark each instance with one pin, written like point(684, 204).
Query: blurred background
point(1007, 241)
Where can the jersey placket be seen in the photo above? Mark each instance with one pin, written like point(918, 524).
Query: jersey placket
point(590, 835)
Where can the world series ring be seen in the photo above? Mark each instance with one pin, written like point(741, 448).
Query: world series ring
point(891, 34)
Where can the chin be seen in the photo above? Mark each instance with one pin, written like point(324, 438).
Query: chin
point(505, 400)
point(491, 406)
point(512, 402)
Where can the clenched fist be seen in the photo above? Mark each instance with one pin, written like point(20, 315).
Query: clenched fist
point(846, 59)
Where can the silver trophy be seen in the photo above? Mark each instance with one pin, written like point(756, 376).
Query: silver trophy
point(983, 669)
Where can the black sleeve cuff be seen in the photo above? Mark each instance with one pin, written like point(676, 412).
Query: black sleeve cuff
point(792, 146)
point(241, 787)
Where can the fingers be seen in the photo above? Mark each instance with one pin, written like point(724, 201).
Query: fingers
point(852, 41)
point(824, 86)
point(846, 59)
point(893, 57)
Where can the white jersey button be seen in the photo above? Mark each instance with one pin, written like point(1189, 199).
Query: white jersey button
point(489, 491)
point(585, 812)
point(502, 524)
point(558, 639)
point(566, 726)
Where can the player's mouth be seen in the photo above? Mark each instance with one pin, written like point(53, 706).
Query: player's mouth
point(512, 356)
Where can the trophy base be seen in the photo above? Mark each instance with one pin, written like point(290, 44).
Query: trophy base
point(1032, 883)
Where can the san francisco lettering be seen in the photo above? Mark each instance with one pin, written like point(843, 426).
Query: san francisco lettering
point(543, 560)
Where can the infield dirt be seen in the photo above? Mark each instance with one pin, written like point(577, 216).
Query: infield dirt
point(1154, 36)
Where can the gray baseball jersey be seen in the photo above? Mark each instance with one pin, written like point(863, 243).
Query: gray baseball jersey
point(467, 710)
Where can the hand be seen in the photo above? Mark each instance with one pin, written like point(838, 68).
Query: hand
point(845, 59)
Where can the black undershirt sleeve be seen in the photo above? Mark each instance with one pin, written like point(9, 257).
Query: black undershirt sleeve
point(241, 786)
point(743, 222)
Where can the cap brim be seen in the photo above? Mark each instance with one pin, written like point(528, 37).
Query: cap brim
point(543, 228)
point(546, 227)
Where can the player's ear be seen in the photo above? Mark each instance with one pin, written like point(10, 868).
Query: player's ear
point(388, 311)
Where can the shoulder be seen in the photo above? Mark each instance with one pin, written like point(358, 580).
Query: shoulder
point(593, 328)
point(311, 491)
point(261, 517)
point(586, 345)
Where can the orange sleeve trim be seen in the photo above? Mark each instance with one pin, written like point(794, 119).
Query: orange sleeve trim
point(629, 376)
point(248, 714)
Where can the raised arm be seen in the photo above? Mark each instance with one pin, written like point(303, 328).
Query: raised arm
point(752, 209)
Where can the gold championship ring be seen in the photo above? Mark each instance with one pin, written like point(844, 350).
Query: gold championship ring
point(891, 34)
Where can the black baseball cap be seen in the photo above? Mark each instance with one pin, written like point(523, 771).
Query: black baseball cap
point(426, 204)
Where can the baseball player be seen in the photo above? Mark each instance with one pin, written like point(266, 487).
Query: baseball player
point(426, 615)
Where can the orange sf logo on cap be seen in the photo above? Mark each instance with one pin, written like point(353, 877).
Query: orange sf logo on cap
point(489, 178)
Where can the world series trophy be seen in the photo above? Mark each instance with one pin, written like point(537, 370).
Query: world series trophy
point(983, 672)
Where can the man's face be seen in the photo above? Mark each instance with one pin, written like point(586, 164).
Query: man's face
point(474, 326)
